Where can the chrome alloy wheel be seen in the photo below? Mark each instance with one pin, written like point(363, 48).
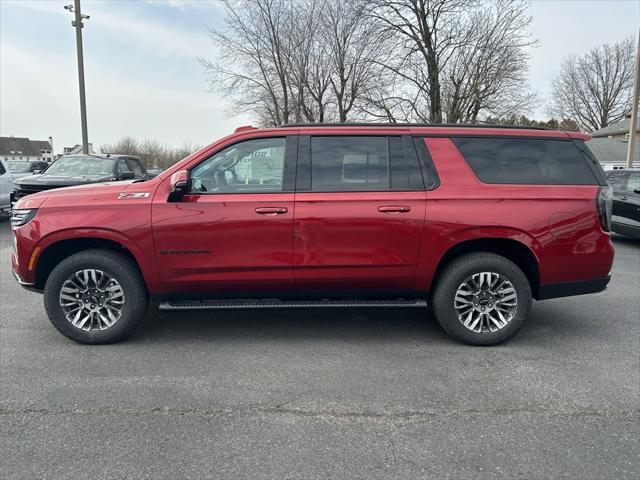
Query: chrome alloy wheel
point(485, 302)
point(91, 300)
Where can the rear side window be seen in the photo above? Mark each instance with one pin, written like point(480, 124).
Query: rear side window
point(525, 161)
point(361, 163)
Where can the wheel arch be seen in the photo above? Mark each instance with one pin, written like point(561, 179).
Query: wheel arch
point(513, 250)
point(58, 249)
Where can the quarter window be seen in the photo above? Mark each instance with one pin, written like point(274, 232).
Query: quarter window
point(252, 166)
point(525, 161)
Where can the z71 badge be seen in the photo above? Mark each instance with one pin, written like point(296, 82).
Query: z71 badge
point(131, 196)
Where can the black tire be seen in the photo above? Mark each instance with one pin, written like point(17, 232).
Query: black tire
point(455, 274)
point(118, 266)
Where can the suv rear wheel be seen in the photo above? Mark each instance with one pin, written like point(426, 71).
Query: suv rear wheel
point(482, 299)
point(95, 296)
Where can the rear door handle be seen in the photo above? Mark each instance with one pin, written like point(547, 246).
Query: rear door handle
point(272, 210)
point(624, 198)
point(394, 209)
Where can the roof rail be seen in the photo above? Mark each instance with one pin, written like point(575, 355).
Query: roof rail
point(438, 125)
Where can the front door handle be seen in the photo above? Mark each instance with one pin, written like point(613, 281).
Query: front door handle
point(394, 209)
point(272, 210)
point(624, 198)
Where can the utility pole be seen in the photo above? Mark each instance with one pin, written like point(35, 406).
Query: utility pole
point(77, 23)
point(634, 110)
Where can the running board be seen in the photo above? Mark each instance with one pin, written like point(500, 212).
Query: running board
point(270, 303)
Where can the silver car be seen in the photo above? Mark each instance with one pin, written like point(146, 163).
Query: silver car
point(6, 186)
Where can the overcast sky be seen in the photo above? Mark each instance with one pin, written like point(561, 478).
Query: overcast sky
point(143, 78)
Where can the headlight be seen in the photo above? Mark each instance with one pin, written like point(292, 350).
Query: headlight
point(22, 216)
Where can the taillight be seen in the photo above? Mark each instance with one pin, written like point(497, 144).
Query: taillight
point(604, 201)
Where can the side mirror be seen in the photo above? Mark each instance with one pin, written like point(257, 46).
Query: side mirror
point(636, 190)
point(179, 185)
point(37, 171)
point(126, 176)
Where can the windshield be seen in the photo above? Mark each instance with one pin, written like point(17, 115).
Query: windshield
point(18, 166)
point(83, 165)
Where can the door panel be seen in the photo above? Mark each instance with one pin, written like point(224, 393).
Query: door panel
point(217, 243)
point(342, 240)
point(233, 231)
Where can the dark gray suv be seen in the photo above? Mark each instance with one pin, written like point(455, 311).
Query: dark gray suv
point(626, 201)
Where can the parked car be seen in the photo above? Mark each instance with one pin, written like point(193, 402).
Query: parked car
point(153, 172)
point(79, 170)
point(626, 201)
point(21, 168)
point(476, 221)
point(6, 187)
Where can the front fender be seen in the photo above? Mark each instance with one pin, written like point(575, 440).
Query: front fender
point(133, 245)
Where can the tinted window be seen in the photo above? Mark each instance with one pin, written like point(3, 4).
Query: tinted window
point(135, 165)
point(349, 163)
point(2, 169)
point(525, 161)
point(253, 166)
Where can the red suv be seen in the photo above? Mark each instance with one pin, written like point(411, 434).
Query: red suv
point(476, 221)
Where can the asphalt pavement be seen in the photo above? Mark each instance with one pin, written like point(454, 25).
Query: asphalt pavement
point(358, 393)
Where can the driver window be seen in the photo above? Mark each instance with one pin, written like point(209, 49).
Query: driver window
point(252, 166)
point(123, 166)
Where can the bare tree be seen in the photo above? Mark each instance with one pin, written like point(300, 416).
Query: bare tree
point(153, 154)
point(488, 72)
point(353, 42)
point(596, 89)
point(426, 32)
point(254, 58)
point(458, 59)
point(295, 60)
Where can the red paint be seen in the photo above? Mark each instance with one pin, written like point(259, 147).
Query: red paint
point(289, 241)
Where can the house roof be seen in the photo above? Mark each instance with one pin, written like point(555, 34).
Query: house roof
point(617, 128)
point(77, 148)
point(612, 150)
point(22, 146)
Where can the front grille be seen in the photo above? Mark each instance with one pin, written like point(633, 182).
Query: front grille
point(24, 190)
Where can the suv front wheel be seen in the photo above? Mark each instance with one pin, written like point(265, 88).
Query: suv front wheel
point(95, 296)
point(482, 299)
